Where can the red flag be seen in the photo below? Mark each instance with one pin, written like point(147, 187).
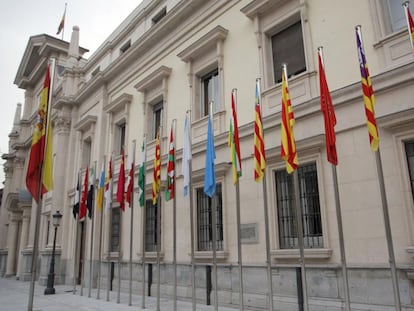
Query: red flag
point(156, 182)
point(38, 155)
point(410, 23)
point(328, 114)
point(120, 192)
point(130, 187)
point(84, 199)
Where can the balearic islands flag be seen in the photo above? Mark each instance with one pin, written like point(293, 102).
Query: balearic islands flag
point(41, 150)
point(368, 92)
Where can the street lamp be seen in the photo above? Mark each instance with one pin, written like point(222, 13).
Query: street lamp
point(50, 290)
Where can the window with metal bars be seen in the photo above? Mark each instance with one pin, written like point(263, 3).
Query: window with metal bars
point(151, 236)
point(309, 201)
point(204, 220)
point(115, 226)
point(409, 151)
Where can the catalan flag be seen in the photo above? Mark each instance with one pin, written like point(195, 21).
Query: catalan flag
point(288, 144)
point(410, 22)
point(169, 194)
point(368, 92)
point(259, 146)
point(120, 191)
point(234, 142)
point(156, 182)
point(41, 150)
point(328, 113)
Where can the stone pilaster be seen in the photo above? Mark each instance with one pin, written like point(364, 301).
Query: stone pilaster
point(12, 244)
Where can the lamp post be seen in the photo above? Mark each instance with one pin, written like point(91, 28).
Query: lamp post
point(50, 290)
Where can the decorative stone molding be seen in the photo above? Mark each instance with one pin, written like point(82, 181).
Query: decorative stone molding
point(62, 124)
point(19, 162)
point(86, 124)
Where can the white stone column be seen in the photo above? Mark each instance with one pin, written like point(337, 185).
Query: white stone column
point(12, 245)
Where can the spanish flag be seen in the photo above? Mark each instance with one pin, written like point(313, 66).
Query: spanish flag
point(39, 178)
point(62, 22)
point(410, 23)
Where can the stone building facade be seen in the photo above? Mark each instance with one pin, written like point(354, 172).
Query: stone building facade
point(169, 57)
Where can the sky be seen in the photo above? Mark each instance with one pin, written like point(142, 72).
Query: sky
point(20, 19)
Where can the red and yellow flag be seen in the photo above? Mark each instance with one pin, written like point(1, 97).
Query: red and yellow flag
point(234, 142)
point(368, 93)
point(120, 191)
point(39, 177)
point(62, 22)
point(259, 146)
point(328, 114)
point(156, 182)
point(410, 23)
point(288, 144)
point(170, 191)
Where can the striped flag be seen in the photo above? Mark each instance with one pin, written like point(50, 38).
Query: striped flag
point(169, 194)
point(120, 191)
point(130, 187)
point(41, 149)
point(101, 187)
point(156, 182)
point(187, 156)
point(259, 146)
point(84, 198)
point(210, 174)
point(234, 143)
point(368, 92)
point(288, 144)
point(108, 186)
point(141, 176)
point(62, 22)
point(328, 114)
point(410, 22)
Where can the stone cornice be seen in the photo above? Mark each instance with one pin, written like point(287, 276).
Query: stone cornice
point(154, 78)
point(118, 103)
point(259, 7)
point(85, 123)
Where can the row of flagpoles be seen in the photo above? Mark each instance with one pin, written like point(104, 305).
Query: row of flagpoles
point(39, 179)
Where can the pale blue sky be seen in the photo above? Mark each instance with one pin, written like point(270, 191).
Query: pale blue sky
point(20, 19)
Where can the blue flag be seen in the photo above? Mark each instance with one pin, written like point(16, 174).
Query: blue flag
point(210, 174)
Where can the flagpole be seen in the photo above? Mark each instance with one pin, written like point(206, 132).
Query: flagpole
point(110, 184)
point(190, 168)
point(239, 250)
point(266, 223)
point(158, 224)
point(84, 254)
point(39, 203)
point(92, 229)
point(338, 214)
point(132, 222)
point(100, 236)
point(75, 251)
point(300, 238)
point(143, 225)
point(174, 129)
point(118, 299)
point(388, 230)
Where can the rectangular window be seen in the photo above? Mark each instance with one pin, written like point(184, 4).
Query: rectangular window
point(115, 227)
point(397, 14)
point(210, 92)
point(151, 236)
point(287, 47)
point(156, 118)
point(125, 47)
point(409, 151)
point(121, 137)
point(309, 201)
point(86, 152)
point(160, 15)
point(204, 220)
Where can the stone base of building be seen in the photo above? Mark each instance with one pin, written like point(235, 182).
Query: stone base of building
point(46, 257)
point(370, 288)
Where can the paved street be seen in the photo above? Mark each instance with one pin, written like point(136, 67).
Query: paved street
point(14, 296)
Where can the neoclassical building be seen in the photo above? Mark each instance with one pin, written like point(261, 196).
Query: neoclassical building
point(169, 57)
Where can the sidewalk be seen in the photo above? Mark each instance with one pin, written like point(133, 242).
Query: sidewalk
point(14, 296)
